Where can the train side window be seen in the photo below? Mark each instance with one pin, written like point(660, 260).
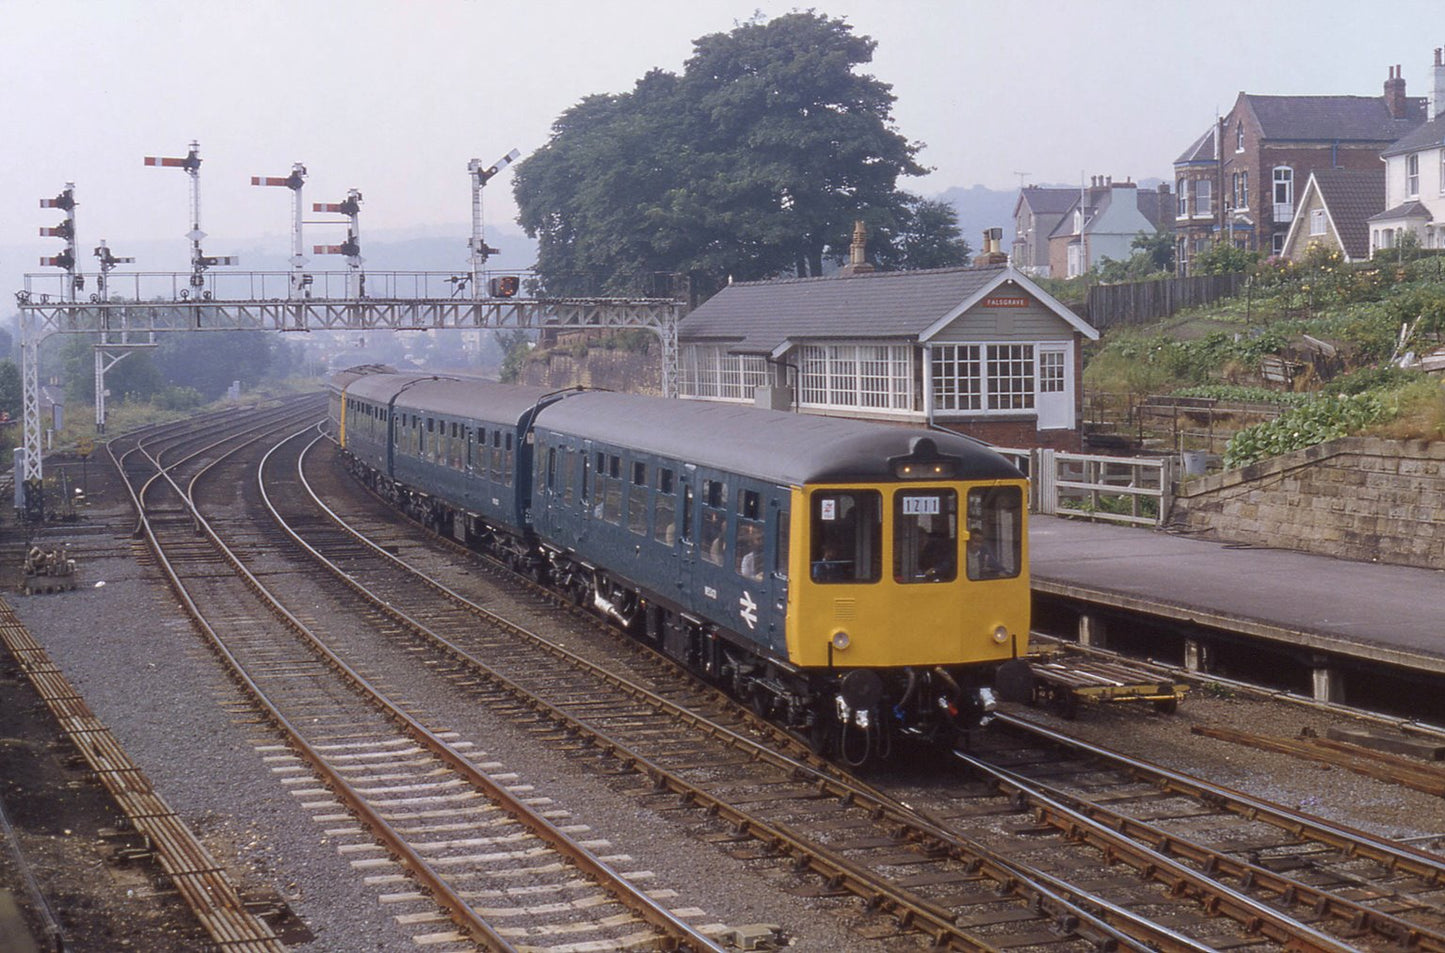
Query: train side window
point(471, 448)
point(586, 478)
point(664, 508)
point(748, 550)
point(995, 532)
point(750, 505)
point(687, 512)
point(609, 487)
point(925, 535)
point(780, 554)
point(551, 468)
point(507, 460)
point(569, 476)
point(846, 536)
point(713, 538)
point(637, 499)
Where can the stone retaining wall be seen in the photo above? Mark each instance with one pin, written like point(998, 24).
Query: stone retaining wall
point(1357, 498)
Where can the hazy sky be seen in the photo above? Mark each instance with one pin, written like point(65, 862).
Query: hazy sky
point(393, 97)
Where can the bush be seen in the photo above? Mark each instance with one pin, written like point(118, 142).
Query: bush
point(1323, 418)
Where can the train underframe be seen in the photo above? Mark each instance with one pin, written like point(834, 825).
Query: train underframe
point(855, 714)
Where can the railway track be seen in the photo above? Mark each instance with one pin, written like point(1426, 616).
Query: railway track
point(1250, 921)
point(1009, 862)
point(433, 823)
point(1209, 841)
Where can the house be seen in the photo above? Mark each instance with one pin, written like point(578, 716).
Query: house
point(1415, 180)
point(1240, 181)
point(984, 351)
point(1036, 213)
point(1334, 211)
point(1102, 221)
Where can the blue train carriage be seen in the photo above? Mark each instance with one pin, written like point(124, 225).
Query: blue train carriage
point(448, 452)
point(855, 580)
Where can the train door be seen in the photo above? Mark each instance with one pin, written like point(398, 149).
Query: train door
point(687, 533)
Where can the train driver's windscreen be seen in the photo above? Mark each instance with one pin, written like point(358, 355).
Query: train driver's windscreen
point(846, 536)
point(995, 532)
point(925, 535)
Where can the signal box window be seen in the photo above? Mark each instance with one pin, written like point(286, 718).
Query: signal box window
point(995, 532)
point(925, 536)
point(846, 536)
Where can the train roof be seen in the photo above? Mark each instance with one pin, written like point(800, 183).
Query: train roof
point(785, 448)
point(454, 396)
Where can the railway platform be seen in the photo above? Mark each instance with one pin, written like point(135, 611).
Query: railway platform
point(1343, 610)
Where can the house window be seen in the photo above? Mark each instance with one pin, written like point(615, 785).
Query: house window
point(983, 377)
point(1283, 192)
point(707, 370)
point(1244, 189)
point(1317, 221)
point(1181, 189)
point(1239, 137)
point(1412, 175)
point(1203, 198)
point(868, 376)
point(1442, 171)
point(1051, 372)
point(1277, 246)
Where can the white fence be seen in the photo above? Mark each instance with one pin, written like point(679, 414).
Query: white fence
point(1116, 489)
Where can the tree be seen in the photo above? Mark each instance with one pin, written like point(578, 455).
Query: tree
point(12, 396)
point(1158, 249)
point(754, 162)
point(1223, 258)
point(926, 236)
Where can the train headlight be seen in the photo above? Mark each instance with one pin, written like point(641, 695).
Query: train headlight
point(841, 640)
point(1000, 634)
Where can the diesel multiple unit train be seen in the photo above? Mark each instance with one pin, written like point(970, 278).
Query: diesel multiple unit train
point(854, 581)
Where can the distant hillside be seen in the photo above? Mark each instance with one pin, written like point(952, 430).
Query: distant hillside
point(979, 208)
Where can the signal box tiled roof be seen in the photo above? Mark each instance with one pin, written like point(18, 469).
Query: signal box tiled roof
point(764, 317)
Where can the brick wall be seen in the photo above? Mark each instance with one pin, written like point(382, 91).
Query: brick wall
point(1357, 498)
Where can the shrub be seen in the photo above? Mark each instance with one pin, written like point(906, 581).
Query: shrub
point(1323, 418)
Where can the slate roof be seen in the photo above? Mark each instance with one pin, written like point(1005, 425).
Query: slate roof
point(1158, 207)
point(1410, 209)
point(1201, 150)
point(1428, 136)
point(1048, 201)
point(1327, 118)
point(1350, 198)
point(759, 317)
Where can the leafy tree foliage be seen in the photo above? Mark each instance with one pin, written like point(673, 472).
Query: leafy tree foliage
point(926, 236)
point(11, 390)
point(754, 162)
point(1223, 258)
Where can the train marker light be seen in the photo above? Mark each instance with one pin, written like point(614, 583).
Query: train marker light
point(841, 640)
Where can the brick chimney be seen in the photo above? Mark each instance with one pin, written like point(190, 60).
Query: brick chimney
point(1395, 94)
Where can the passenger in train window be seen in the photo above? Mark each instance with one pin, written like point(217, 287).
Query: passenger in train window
point(750, 549)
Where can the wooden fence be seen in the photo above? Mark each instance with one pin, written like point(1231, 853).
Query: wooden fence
point(1140, 302)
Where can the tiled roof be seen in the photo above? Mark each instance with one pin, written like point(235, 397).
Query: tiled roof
point(1048, 201)
point(1427, 136)
point(1202, 149)
point(1350, 199)
point(1158, 207)
point(1325, 118)
point(762, 315)
point(1411, 209)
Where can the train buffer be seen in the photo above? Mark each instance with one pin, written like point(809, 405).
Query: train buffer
point(1064, 681)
